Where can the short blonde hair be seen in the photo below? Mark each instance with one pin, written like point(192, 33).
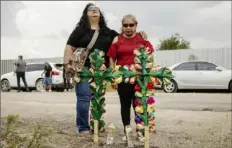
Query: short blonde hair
point(131, 17)
point(128, 16)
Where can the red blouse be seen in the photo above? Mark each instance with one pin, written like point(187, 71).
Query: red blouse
point(123, 49)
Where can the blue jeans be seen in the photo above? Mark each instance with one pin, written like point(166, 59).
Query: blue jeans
point(47, 80)
point(83, 94)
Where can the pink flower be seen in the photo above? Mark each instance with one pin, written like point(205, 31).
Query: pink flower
point(137, 102)
point(151, 100)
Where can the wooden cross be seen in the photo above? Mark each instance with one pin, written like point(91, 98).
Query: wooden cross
point(143, 73)
point(98, 76)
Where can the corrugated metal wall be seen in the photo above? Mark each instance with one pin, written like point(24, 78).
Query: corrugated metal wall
point(8, 65)
point(220, 57)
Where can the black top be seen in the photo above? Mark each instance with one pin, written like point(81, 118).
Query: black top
point(81, 38)
point(48, 70)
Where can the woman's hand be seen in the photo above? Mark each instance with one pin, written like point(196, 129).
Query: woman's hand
point(143, 34)
point(114, 86)
point(68, 68)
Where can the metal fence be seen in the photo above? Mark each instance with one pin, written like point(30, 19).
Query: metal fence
point(220, 57)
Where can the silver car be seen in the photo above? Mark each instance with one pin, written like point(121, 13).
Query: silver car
point(199, 75)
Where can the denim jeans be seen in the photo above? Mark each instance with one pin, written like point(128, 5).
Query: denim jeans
point(83, 94)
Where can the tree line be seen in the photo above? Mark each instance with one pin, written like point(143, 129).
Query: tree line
point(174, 42)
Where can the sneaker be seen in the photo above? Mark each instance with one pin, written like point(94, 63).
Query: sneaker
point(50, 90)
point(128, 130)
point(127, 137)
point(124, 139)
point(140, 137)
point(85, 134)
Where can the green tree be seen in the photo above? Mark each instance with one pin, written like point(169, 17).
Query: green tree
point(174, 42)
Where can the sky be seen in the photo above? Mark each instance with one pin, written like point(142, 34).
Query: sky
point(40, 29)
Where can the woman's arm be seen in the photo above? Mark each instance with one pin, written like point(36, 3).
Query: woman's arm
point(68, 52)
point(71, 45)
point(112, 63)
point(112, 53)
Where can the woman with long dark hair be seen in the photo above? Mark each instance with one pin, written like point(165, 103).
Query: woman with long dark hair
point(92, 19)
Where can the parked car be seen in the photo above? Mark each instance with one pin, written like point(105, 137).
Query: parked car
point(199, 75)
point(34, 78)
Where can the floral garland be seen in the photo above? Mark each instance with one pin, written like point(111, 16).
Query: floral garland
point(98, 76)
point(145, 76)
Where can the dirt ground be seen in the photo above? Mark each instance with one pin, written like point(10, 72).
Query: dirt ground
point(182, 120)
point(175, 129)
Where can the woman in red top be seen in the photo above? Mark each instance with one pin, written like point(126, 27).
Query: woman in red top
point(121, 53)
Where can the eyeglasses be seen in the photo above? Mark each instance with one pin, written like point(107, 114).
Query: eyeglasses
point(93, 8)
point(128, 25)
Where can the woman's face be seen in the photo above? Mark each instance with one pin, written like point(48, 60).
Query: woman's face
point(129, 27)
point(93, 12)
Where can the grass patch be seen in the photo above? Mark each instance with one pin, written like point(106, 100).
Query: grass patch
point(14, 137)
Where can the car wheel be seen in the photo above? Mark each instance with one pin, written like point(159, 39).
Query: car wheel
point(171, 87)
point(5, 86)
point(39, 85)
point(230, 86)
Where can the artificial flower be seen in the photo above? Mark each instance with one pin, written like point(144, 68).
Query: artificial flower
point(91, 70)
point(137, 87)
point(118, 80)
point(151, 123)
point(139, 126)
point(151, 100)
point(103, 67)
point(149, 65)
point(139, 109)
point(138, 67)
point(147, 51)
point(136, 52)
point(150, 92)
point(151, 108)
point(138, 119)
point(152, 130)
point(138, 94)
point(150, 85)
point(93, 84)
point(137, 102)
point(137, 60)
point(150, 58)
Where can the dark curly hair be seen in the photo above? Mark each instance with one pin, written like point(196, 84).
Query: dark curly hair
point(84, 22)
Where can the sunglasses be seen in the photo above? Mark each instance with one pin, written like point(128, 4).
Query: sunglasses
point(128, 25)
point(93, 8)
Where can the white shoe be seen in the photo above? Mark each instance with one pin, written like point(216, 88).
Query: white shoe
point(50, 90)
point(124, 139)
point(128, 130)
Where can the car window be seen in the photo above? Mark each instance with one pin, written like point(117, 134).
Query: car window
point(206, 66)
point(59, 67)
point(35, 67)
point(186, 66)
point(39, 67)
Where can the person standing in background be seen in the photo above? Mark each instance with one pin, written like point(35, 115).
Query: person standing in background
point(47, 77)
point(20, 72)
point(67, 78)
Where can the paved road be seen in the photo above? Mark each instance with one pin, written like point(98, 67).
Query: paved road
point(55, 102)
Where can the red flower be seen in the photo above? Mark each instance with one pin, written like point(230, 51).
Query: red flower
point(150, 85)
point(137, 87)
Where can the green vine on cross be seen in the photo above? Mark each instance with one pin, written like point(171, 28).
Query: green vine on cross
point(144, 75)
point(98, 76)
